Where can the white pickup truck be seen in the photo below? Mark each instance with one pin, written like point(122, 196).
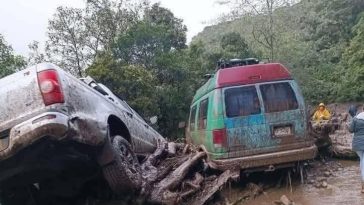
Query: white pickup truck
point(51, 122)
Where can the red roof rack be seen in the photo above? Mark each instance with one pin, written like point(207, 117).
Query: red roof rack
point(251, 74)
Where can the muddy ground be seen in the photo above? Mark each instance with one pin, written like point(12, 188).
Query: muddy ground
point(327, 181)
point(332, 182)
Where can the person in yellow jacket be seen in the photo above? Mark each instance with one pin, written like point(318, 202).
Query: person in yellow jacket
point(322, 113)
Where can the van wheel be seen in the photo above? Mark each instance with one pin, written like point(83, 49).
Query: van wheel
point(124, 173)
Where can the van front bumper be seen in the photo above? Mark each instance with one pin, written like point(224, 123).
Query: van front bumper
point(266, 161)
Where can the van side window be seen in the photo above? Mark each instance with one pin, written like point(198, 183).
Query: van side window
point(202, 119)
point(242, 101)
point(278, 97)
point(193, 118)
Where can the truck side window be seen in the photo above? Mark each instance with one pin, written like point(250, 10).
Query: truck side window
point(202, 119)
point(278, 97)
point(241, 101)
point(193, 118)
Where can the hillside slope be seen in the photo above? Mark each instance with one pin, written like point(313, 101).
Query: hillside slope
point(311, 38)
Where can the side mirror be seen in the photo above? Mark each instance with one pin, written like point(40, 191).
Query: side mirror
point(153, 120)
point(101, 90)
point(97, 87)
point(208, 76)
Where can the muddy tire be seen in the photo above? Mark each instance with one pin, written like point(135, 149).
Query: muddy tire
point(124, 173)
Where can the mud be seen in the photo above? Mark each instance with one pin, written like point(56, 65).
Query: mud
point(330, 183)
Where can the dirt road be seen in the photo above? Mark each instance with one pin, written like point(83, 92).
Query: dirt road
point(343, 187)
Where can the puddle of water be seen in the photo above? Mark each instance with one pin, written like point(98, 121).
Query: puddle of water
point(344, 188)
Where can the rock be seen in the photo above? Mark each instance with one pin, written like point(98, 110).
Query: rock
point(327, 174)
point(277, 202)
point(311, 181)
point(321, 179)
point(317, 185)
point(324, 184)
point(330, 187)
point(172, 148)
point(285, 200)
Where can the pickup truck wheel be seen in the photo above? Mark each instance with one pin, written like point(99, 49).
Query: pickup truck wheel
point(124, 173)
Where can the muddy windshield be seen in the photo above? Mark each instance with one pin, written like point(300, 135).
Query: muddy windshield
point(278, 97)
point(241, 101)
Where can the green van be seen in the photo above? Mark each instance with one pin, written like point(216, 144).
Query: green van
point(251, 116)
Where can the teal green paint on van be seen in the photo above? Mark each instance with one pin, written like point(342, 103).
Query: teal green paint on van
point(250, 111)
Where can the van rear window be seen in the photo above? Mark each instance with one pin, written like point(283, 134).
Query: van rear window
point(278, 97)
point(241, 101)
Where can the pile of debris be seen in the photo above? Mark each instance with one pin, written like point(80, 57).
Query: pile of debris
point(333, 135)
point(179, 174)
point(320, 173)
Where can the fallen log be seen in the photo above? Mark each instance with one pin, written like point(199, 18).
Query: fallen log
point(162, 191)
point(211, 187)
point(168, 171)
point(149, 169)
point(176, 177)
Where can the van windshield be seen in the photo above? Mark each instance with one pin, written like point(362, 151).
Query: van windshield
point(278, 97)
point(241, 101)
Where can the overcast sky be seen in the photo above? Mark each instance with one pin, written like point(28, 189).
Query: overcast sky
point(22, 21)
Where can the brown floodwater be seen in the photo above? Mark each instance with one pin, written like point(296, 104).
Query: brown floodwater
point(344, 188)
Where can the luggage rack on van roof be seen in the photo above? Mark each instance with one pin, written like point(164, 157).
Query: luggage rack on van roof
point(221, 64)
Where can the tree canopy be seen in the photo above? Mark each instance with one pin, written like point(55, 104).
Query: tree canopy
point(139, 50)
point(9, 62)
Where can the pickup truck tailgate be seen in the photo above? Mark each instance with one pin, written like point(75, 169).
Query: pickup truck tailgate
point(19, 96)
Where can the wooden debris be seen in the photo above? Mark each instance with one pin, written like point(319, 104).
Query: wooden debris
point(210, 188)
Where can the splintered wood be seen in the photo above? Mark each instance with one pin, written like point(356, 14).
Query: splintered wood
point(171, 176)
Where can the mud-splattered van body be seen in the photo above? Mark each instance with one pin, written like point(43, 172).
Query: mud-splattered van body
point(251, 116)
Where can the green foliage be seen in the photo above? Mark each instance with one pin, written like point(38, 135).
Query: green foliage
point(77, 36)
point(67, 38)
point(353, 66)
point(147, 66)
point(311, 38)
point(130, 82)
point(235, 46)
point(141, 54)
point(157, 33)
point(9, 62)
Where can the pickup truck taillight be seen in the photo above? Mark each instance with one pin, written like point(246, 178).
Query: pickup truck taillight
point(219, 138)
point(50, 87)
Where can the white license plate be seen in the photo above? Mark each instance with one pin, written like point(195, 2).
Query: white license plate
point(282, 131)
